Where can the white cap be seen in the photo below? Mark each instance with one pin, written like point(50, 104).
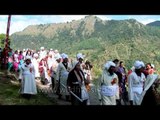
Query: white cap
point(28, 57)
point(152, 65)
point(79, 55)
point(138, 64)
point(57, 57)
point(109, 64)
point(56, 51)
point(35, 55)
point(63, 55)
point(42, 48)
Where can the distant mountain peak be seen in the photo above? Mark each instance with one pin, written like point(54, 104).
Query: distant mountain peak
point(155, 23)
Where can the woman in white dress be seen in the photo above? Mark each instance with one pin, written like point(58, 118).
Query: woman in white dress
point(27, 78)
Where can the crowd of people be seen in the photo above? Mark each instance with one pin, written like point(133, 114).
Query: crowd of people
point(50, 68)
point(71, 77)
point(136, 87)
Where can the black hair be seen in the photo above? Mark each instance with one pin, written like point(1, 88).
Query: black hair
point(121, 62)
point(115, 60)
point(148, 64)
point(88, 63)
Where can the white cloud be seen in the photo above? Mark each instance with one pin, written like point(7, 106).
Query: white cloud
point(18, 26)
point(19, 22)
point(104, 17)
point(19, 17)
point(69, 18)
point(3, 17)
point(3, 27)
point(146, 21)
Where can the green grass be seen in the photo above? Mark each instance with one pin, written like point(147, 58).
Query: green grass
point(9, 95)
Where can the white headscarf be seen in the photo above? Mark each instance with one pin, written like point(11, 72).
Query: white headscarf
point(152, 65)
point(63, 55)
point(42, 48)
point(109, 64)
point(57, 57)
point(35, 55)
point(132, 68)
point(79, 55)
point(138, 64)
point(56, 51)
point(28, 58)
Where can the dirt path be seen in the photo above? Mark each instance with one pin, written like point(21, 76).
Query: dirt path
point(49, 92)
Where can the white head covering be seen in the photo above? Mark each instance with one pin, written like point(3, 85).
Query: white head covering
point(24, 49)
point(109, 64)
point(51, 49)
point(138, 64)
point(28, 57)
point(63, 55)
point(56, 51)
point(152, 65)
point(132, 68)
point(79, 55)
point(35, 55)
point(57, 57)
point(42, 48)
point(142, 63)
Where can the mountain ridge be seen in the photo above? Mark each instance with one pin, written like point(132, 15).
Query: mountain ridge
point(99, 39)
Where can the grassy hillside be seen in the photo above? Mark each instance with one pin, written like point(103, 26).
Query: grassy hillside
point(9, 93)
point(99, 40)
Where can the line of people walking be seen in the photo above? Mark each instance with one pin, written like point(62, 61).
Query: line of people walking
point(71, 78)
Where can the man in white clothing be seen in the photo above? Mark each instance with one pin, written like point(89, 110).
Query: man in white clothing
point(136, 83)
point(62, 75)
point(108, 85)
point(35, 62)
point(42, 53)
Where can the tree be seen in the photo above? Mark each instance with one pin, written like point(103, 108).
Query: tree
point(2, 40)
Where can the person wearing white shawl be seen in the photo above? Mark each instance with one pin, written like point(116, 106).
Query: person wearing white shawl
point(76, 83)
point(80, 58)
point(108, 90)
point(42, 53)
point(56, 53)
point(27, 78)
point(148, 96)
point(35, 62)
point(62, 75)
point(135, 83)
point(53, 69)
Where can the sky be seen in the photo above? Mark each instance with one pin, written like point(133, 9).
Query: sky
point(20, 22)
